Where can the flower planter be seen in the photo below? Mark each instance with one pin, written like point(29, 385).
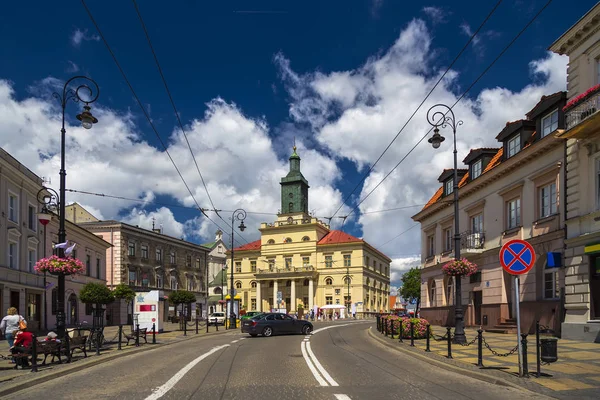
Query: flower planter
point(581, 98)
point(462, 267)
point(55, 265)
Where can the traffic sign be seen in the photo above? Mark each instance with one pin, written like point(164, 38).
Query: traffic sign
point(279, 297)
point(517, 257)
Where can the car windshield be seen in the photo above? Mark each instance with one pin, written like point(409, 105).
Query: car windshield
point(218, 314)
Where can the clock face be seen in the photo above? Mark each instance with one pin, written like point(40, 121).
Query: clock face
point(290, 220)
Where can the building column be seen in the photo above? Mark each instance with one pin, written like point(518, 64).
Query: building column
point(258, 299)
point(293, 296)
point(310, 294)
point(274, 305)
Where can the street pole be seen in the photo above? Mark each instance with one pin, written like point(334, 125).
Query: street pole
point(436, 140)
point(239, 215)
point(348, 281)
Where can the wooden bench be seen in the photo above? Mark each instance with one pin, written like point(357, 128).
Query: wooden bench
point(45, 348)
point(78, 342)
point(143, 333)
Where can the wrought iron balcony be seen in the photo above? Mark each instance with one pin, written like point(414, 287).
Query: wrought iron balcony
point(472, 242)
point(579, 119)
point(275, 270)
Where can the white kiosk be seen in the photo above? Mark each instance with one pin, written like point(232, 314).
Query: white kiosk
point(149, 311)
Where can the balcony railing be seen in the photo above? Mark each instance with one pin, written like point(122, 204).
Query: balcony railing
point(305, 268)
point(472, 240)
point(582, 111)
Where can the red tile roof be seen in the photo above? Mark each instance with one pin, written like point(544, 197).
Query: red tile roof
point(249, 246)
point(435, 197)
point(335, 236)
point(497, 159)
point(464, 180)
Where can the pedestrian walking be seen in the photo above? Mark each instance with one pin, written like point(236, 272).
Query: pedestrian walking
point(10, 324)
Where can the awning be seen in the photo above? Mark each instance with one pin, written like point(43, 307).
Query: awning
point(592, 248)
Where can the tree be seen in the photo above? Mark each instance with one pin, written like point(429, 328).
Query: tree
point(96, 293)
point(124, 292)
point(181, 297)
point(411, 286)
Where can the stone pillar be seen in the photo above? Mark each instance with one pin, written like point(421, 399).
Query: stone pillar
point(258, 299)
point(274, 305)
point(310, 294)
point(293, 296)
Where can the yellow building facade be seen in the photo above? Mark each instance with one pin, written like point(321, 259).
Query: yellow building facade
point(299, 260)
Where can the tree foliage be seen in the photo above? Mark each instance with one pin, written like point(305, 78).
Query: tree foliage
point(411, 285)
point(96, 293)
point(182, 297)
point(122, 291)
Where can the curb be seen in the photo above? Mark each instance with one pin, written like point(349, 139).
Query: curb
point(463, 371)
point(41, 377)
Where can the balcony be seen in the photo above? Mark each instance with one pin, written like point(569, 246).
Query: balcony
point(289, 272)
point(472, 243)
point(583, 120)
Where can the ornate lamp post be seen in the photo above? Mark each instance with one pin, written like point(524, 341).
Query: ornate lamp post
point(446, 118)
point(87, 121)
point(49, 203)
point(239, 215)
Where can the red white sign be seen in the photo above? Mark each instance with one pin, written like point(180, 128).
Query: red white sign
point(517, 257)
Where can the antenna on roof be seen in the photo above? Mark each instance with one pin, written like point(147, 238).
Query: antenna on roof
point(153, 223)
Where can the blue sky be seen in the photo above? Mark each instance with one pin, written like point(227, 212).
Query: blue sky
point(247, 77)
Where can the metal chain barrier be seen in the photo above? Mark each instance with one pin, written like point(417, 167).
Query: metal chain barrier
point(510, 353)
point(113, 340)
point(470, 343)
point(438, 338)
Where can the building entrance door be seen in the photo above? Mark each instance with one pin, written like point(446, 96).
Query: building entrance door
point(72, 313)
point(595, 287)
point(477, 301)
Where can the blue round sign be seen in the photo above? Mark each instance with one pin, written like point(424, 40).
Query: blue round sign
point(517, 257)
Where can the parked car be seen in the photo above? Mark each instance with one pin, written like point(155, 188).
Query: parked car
point(216, 318)
point(250, 314)
point(268, 324)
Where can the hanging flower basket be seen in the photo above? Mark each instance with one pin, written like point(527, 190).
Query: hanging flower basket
point(582, 97)
point(462, 267)
point(56, 265)
point(222, 301)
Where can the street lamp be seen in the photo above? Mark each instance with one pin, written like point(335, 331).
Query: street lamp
point(49, 203)
point(87, 121)
point(239, 215)
point(443, 119)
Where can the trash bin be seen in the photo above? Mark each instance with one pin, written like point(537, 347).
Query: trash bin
point(549, 350)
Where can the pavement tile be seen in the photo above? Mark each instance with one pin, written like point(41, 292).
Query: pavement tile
point(563, 384)
point(579, 355)
point(580, 346)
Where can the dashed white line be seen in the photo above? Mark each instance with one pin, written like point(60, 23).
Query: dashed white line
point(342, 397)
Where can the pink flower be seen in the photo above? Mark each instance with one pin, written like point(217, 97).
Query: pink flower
point(581, 97)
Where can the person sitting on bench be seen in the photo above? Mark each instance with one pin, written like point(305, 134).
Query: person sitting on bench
point(22, 345)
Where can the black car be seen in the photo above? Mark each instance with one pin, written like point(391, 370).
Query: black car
point(268, 324)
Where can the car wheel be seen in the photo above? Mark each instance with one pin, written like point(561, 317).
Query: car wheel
point(254, 334)
point(306, 330)
point(268, 331)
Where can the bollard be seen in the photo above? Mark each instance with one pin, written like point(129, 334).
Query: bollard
point(412, 334)
point(480, 347)
point(392, 332)
point(98, 342)
point(120, 337)
point(153, 333)
point(207, 324)
point(378, 324)
point(137, 336)
point(449, 334)
point(427, 338)
point(68, 347)
point(33, 355)
point(184, 327)
point(524, 347)
point(401, 332)
point(537, 349)
point(217, 325)
point(196, 325)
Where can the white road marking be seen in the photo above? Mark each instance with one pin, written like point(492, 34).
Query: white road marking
point(320, 367)
point(235, 341)
point(328, 327)
point(162, 390)
point(312, 368)
point(342, 397)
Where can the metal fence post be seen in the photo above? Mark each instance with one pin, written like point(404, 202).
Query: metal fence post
point(537, 348)
point(98, 333)
point(34, 354)
point(427, 349)
point(120, 336)
point(153, 333)
point(196, 324)
point(137, 336)
point(401, 331)
point(184, 326)
point(216, 325)
point(68, 347)
point(412, 334)
point(378, 323)
point(449, 334)
point(392, 333)
point(480, 347)
point(524, 347)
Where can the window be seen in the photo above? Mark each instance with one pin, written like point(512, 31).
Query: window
point(430, 246)
point(131, 249)
point(514, 145)
point(291, 207)
point(328, 299)
point(305, 283)
point(145, 251)
point(551, 288)
point(98, 272)
point(548, 200)
point(477, 223)
point(159, 255)
point(253, 285)
point(448, 239)
point(191, 284)
point(550, 123)
point(475, 278)
point(450, 291)
point(31, 259)
point(386, 271)
point(374, 264)
point(198, 263)
point(88, 308)
point(13, 255)
point(174, 284)
point(337, 291)
point(220, 250)
point(238, 267)
point(13, 207)
point(347, 260)
point(432, 294)
point(449, 186)
point(305, 239)
point(159, 281)
point(253, 266)
point(287, 240)
point(513, 213)
point(288, 262)
point(145, 282)
point(270, 241)
point(305, 261)
point(31, 218)
point(328, 281)
point(238, 285)
point(172, 257)
point(368, 262)
point(253, 304)
point(188, 261)
point(476, 169)
point(328, 261)
point(337, 301)
point(271, 265)
point(132, 278)
point(88, 264)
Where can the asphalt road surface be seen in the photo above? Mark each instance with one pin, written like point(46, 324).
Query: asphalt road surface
point(338, 361)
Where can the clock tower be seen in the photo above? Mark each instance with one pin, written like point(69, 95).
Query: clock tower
point(294, 189)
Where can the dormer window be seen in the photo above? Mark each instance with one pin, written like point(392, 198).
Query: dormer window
point(514, 145)
point(550, 123)
point(449, 186)
point(476, 169)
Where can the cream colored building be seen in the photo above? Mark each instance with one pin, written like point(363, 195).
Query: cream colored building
point(511, 192)
point(300, 257)
point(582, 134)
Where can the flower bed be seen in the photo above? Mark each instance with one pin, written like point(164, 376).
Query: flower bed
point(419, 325)
point(582, 97)
point(462, 267)
point(56, 265)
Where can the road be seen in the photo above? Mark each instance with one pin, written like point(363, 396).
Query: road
point(338, 361)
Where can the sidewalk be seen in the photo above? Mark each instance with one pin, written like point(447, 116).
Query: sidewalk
point(576, 374)
point(12, 380)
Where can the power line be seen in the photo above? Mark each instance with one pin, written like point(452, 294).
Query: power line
point(143, 108)
point(365, 176)
point(459, 99)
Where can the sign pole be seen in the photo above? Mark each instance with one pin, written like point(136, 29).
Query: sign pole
point(520, 348)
